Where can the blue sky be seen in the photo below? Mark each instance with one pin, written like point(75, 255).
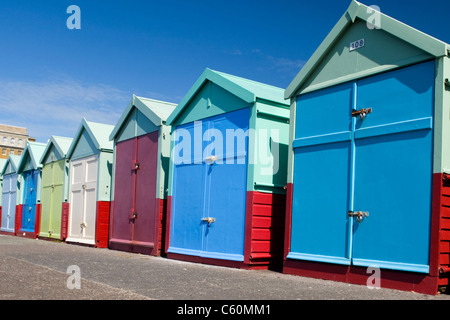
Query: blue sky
point(51, 77)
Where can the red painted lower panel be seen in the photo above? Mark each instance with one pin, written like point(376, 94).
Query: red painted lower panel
point(102, 224)
point(409, 281)
point(168, 217)
point(264, 230)
point(288, 219)
point(18, 218)
point(161, 227)
point(37, 221)
point(64, 220)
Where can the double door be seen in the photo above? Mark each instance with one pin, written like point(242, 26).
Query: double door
point(363, 172)
point(209, 187)
point(30, 183)
point(83, 200)
point(52, 198)
point(9, 197)
point(135, 215)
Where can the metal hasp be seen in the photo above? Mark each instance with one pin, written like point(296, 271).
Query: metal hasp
point(211, 159)
point(362, 113)
point(209, 220)
point(360, 215)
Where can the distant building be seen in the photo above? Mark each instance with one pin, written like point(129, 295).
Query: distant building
point(13, 140)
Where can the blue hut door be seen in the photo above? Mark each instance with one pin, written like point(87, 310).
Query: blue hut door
point(29, 200)
point(393, 169)
point(209, 193)
point(363, 170)
point(9, 202)
point(322, 155)
point(226, 185)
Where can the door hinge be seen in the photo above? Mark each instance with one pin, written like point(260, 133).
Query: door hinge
point(362, 113)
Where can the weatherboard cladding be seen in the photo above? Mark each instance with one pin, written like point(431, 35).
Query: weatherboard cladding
point(248, 207)
point(399, 72)
point(141, 142)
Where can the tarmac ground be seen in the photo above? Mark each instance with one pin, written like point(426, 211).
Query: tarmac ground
point(37, 270)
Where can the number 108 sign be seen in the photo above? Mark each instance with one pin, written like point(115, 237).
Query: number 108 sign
point(356, 44)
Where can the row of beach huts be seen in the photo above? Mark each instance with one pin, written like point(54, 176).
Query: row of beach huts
point(343, 171)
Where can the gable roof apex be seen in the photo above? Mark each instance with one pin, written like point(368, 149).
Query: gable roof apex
point(14, 160)
point(34, 150)
point(245, 89)
point(61, 144)
point(98, 132)
point(155, 110)
point(357, 10)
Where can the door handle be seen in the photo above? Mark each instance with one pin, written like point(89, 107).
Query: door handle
point(209, 220)
point(360, 215)
point(83, 225)
point(362, 113)
point(134, 215)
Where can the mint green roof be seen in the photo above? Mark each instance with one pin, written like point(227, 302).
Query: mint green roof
point(32, 153)
point(355, 11)
point(62, 144)
point(13, 160)
point(98, 132)
point(247, 90)
point(156, 111)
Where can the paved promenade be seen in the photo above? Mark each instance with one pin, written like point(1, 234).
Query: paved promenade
point(43, 270)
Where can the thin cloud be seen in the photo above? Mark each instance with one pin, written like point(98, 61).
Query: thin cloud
point(56, 108)
point(285, 64)
point(289, 67)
